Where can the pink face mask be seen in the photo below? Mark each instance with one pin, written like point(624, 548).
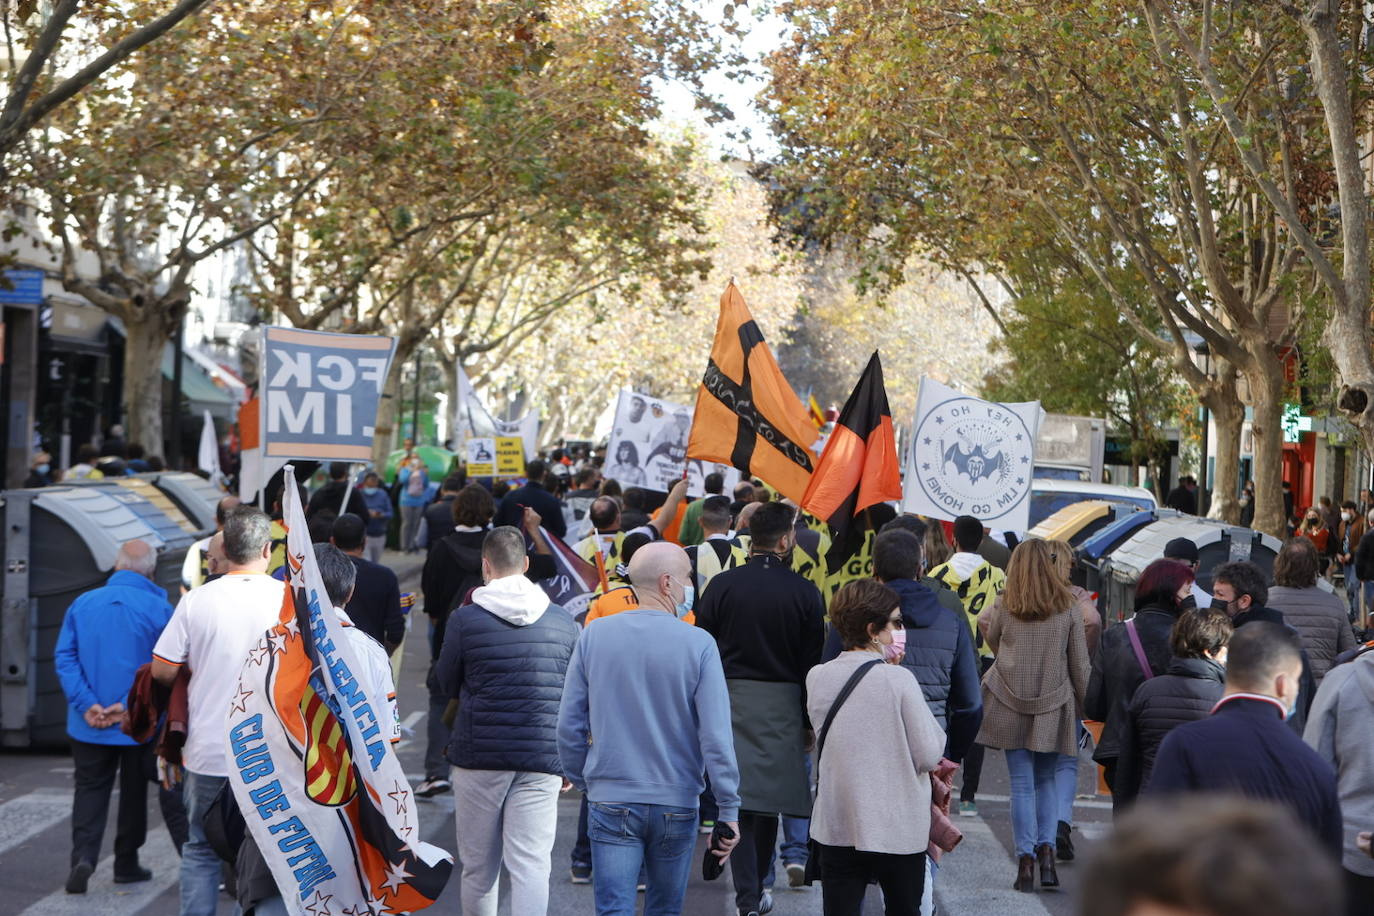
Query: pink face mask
point(898, 645)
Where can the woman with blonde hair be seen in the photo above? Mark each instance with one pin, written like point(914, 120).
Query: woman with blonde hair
point(1031, 698)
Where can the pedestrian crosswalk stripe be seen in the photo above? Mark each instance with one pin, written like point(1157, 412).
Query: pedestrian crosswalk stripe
point(29, 815)
point(105, 897)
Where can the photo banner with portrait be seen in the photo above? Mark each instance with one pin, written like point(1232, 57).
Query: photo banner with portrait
point(648, 447)
point(971, 457)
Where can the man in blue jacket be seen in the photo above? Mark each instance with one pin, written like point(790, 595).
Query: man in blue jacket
point(1244, 747)
point(106, 635)
point(651, 690)
point(504, 659)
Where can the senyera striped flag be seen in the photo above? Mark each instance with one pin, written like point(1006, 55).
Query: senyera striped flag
point(319, 785)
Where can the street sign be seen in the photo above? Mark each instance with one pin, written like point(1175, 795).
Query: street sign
point(26, 288)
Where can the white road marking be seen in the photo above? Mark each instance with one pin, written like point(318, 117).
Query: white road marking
point(29, 815)
point(1079, 802)
point(105, 897)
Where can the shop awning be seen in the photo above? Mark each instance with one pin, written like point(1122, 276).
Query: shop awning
point(198, 387)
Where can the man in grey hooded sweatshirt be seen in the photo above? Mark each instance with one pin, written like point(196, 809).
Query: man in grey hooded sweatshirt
point(504, 659)
point(1338, 728)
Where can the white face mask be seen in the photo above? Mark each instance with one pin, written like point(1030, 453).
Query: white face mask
point(1345, 516)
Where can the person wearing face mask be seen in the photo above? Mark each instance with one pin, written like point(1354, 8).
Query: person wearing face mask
point(769, 624)
point(378, 514)
point(872, 813)
point(40, 471)
point(1240, 589)
point(504, 659)
point(645, 714)
point(1031, 697)
point(1244, 747)
point(1186, 692)
point(1348, 535)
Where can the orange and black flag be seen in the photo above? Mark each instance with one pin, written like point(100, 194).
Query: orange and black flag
point(746, 414)
point(859, 467)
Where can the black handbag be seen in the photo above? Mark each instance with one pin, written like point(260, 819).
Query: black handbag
point(813, 849)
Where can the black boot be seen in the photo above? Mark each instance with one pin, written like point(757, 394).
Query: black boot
point(1064, 843)
point(1025, 874)
point(1044, 853)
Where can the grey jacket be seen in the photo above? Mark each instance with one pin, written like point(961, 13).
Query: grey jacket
point(1320, 619)
point(1338, 728)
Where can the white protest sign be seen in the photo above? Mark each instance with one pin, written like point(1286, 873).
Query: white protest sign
point(971, 457)
point(648, 447)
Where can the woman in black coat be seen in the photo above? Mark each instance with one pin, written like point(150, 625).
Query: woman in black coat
point(1116, 670)
point(1185, 693)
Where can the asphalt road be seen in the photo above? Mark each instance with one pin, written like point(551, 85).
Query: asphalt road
point(35, 836)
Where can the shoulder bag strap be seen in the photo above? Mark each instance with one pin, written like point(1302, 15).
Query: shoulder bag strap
point(1139, 650)
point(845, 691)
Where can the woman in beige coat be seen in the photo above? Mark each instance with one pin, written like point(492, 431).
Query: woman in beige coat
point(1031, 698)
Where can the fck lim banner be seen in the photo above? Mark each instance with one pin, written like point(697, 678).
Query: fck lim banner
point(318, 782)
point(320, 393)
point(971, 457)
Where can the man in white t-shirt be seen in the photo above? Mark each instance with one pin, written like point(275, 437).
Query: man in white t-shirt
point(210, 633)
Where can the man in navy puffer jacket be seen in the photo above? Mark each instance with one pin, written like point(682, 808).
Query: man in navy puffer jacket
point(504, 660)
point(939, 648)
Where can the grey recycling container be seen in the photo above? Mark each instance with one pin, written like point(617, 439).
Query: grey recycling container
point(1217, 543)
point(61, 542)
point(195, 496)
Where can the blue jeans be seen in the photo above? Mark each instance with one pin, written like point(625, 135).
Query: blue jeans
point(631, 835)
point(792, 844)
point(200, 866)
point(1066, 779)
point(1035, 798)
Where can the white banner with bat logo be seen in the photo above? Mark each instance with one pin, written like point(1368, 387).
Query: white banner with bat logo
point(971, 457)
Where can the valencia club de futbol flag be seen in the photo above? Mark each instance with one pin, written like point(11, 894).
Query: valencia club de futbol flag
point(747, 415)
point(312, 768)
point(859, 467)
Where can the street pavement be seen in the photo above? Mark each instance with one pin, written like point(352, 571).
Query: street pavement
point(35, 836)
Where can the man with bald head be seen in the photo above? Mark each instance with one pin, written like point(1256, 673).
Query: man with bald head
point(106, 635)
point(652, 691)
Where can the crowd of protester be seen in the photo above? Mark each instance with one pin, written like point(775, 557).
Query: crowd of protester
point(817, 724)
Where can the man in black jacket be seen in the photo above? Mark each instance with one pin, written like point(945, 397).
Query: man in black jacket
point(375, 605)
point(533, 495)
point(769, 624)
point(1243, 747)
point(504, 659)
point(328, 499)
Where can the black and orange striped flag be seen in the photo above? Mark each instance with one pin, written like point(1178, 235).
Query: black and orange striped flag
point(859, 467)
point(746, 413)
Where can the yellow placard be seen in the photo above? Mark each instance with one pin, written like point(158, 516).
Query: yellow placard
point(510, 456)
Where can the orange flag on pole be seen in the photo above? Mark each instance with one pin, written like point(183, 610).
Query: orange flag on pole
point(859, 467)
point(747, 415)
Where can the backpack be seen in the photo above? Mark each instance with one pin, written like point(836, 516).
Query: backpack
point(415, 485)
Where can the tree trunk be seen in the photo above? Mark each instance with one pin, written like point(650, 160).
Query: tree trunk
point(144, 344)
point(389, 409)
point(1229, 416)
point(1266, 393)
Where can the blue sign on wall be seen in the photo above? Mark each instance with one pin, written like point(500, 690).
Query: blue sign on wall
point(26, 288)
